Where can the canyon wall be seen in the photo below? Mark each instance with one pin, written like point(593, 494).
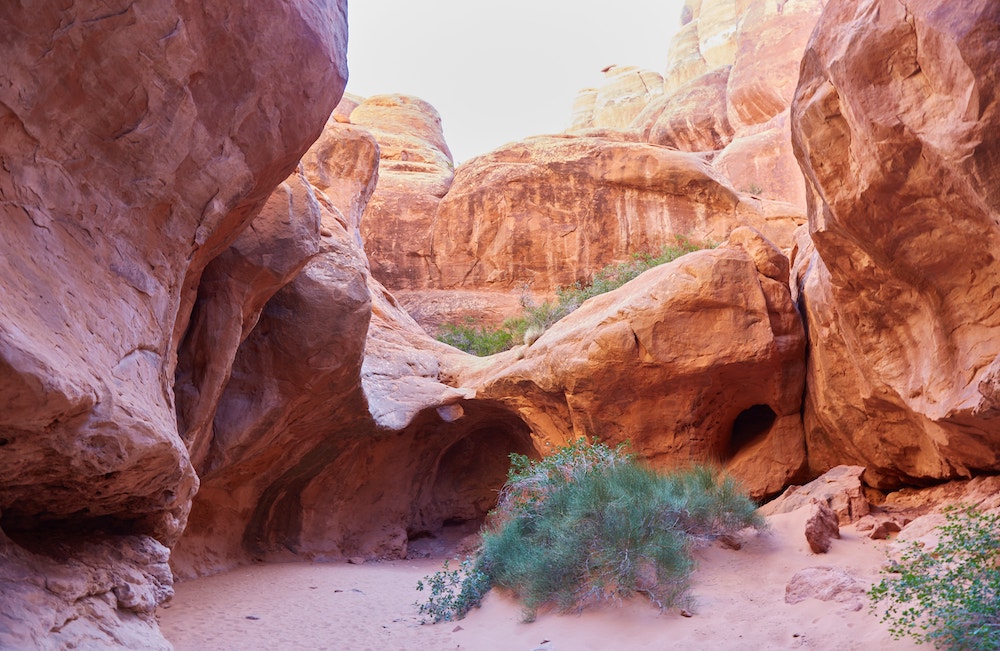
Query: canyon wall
point(138, 140)
point(895, 125)
point(217, 314)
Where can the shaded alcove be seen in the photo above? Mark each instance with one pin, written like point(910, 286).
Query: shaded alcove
point(750, 425)
point(467, 474)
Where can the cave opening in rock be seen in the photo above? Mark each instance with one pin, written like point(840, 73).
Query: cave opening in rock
point(469, 472)
point(750, 425)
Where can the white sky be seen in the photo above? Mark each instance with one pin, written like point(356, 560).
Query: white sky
point(499, 71)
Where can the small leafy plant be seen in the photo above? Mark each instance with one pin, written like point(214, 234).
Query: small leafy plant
point(453, 593)
point(949, 597)
point(485, 340)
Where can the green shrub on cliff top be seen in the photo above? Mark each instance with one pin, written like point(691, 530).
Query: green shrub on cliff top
point(487, 340)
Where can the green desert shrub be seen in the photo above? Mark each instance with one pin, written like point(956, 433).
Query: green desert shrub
point(487, 340)
point(483, 340)
point(453, 592)
point(590, 524)
point(948, 596)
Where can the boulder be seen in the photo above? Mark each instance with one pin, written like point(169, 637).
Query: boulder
point(827, 584)
point(895, 125)
point(839, 488)
point(821, 527)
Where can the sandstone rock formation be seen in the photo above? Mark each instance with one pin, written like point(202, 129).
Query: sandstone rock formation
point(900, 291)
point(334, 400)
point(827, 584)
point(415, 172)
point(550, 211)
point(839, 488)
point(103, 249)
point(692, 118)
point(208, 314)
point(625, 93)
point(97, 591)
point(710, 348)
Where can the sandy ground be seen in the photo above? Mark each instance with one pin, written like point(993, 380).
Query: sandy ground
point(739, 603)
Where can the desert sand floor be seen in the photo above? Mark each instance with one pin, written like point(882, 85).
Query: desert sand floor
point(739, 603)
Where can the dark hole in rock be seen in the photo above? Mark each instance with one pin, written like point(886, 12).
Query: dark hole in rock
point(58, 537)
point(468, 476)
point(751, 424)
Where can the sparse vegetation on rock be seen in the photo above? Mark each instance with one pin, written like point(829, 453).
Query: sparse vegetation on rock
point(483, 340)
point(948, 596)
point(590, 524)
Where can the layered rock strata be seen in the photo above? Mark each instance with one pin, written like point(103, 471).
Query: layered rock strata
point(550, 211)
point(415, 172)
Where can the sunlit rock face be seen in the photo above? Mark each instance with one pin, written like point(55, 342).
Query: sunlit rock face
point(895, 124)
point(415, 172)
point(701, 359)
point(550, 211)
point(614, 104)
point(138, 140)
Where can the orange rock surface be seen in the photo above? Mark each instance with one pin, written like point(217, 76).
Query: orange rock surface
point(415, 171)
point(215, 314)
point(697, 360)
point(896, 126)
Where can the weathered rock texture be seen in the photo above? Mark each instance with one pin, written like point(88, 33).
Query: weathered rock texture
point(625, 93)
point(692, 118)
point(839, 488)
point(896, 125)
point(415, 171)
point(821, 527)
point(827, 584)
point(92, 592)
point(333, 400)
point(136, 141)
point(550, 211)
point(710, 348)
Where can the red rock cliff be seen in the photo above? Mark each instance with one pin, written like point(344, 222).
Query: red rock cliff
point(896, 124)
point(138, 139)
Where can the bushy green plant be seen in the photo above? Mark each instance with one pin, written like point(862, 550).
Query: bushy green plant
point(949, 596)
point(590, 524)
point(484, 340)
point(614, 276)
point(453, 593)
